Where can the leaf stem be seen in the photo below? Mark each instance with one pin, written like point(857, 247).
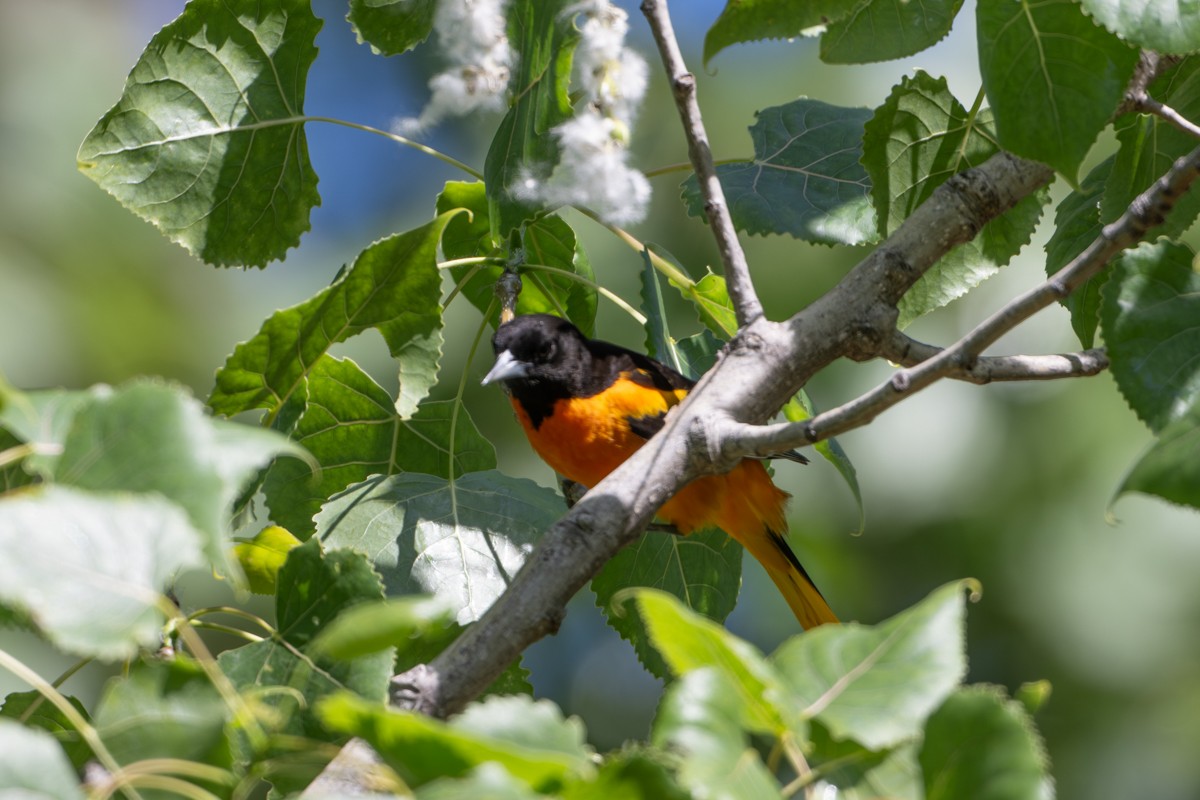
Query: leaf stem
point(233, 612)
point(686, 166)
point(611, 295)
point(426, 149)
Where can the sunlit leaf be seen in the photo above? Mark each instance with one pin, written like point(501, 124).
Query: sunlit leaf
point(530, 739)
point(107, 556)
point(393, 286)
point(877, 684)
point(207, 141)
point(1166, 26)
point(35, 711)
point(462, 541)
point(373, 626)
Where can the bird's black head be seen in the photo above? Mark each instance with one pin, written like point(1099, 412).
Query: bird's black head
point(537, 350)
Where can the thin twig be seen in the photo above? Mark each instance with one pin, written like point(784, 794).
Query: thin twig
point(908, 352)
point(683, 88)
point(1146, 212)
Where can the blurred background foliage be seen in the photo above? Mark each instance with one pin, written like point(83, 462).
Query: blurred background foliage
point(1010, 484)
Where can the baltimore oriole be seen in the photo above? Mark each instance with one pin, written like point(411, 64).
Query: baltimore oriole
point(587, 405)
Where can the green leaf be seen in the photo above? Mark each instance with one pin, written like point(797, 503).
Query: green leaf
point(463, 541)
point(982, 745)
point(33, 710)
point(1048, 62)
point(1076, 225)
point(800, 408)
point(151, 438)
point(1170, 469)
point(711, 298)
point(391, 27)
point(488, 781)
point(428, 646)
point(314, 589)
point(752, 20)
point(703, 570)
point(631, 774)
point(701, 719)
point(698, 353)
point(531, 740)
point(877, 684)
point(917, 140)
point(858, 773)
point(43, 419)
point(107, 557)
point(1149, 147)
point(1150, 315)
point(545, 35)
point(351, 427)
point(207, 141)
point(688, 641)
point(262, 556)
point(393, 286)
point(1167, 26)
point(373, 626)
point(911, 28)
point(13, 466)
point(550, 249)
point(164, 710)
point(659, 343)
point(805, 179)
point(34, 765)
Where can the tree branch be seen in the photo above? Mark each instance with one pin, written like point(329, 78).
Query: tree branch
point(908, 352)
point(683, 87)
point(765, 364)
point(1147, 211)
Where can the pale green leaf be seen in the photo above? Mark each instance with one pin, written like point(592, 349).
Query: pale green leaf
point(106, 558)
point(877, 684)
point(1167, 26)
point(34, 767)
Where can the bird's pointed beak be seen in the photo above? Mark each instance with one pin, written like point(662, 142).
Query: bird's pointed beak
point(507, 367)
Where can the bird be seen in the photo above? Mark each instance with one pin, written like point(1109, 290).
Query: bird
point(587, 405)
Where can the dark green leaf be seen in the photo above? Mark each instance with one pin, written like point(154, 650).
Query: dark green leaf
point(550, 242)
point(805, 180)
point(1150, 315)
point(107, 557)
point(351, 427)
point(1149, 147)
point(147, 437)
point(1167, 26)
point(703, 570)
point(911, 28)
point(34, 765)
point(391, 27)
point(164, 710)
point(545, 36)
point(532, 741)
point(1048, 62)
point(982, 745)
point(462, 541)
point(688, 641)
point(207, 141)
point(752, 20)
point(34, 711)
point(13, 461)
point(877, 684)
point(1076, 225)
point(1170, 469)
point(918, 139)
point(698, 353)
point(659, 343)
point(315, 587)
point(700, 718)
point(394, 286)
point(425, 648)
